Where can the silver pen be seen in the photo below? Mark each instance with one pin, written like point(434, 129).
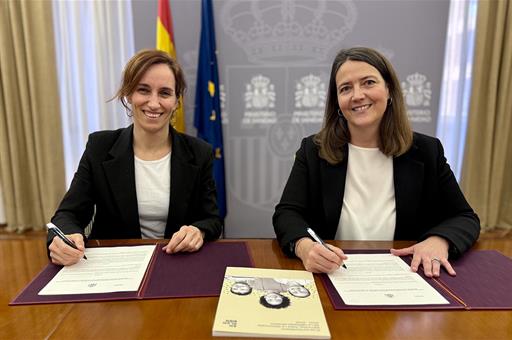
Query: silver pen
point(319, 240)
point(61, 235)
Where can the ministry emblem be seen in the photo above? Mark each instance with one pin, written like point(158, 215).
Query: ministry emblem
point(417, 90)
point(310, 92)
point(260, 93)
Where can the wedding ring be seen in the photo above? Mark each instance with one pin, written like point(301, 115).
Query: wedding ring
point(436, 259)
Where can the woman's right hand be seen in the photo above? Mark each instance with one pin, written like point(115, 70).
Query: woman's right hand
point(64, 255)
point(318, 259)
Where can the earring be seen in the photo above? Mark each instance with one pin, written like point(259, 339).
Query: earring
point(126, 101)
point(342, 117)
point(128, 111)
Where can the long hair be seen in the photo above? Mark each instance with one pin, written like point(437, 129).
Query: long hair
point(285, 302)
point(395, 132)
point(138, 65)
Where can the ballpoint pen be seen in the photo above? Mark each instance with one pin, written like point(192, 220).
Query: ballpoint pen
point(61, 235)
point(319, 240)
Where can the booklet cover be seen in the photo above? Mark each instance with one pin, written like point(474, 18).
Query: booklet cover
point(258, 302)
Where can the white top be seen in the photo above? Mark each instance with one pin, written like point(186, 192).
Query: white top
point(153, 187)
point(369, 210)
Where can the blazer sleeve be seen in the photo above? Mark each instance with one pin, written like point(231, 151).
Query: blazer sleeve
point(206, 213)
point(289, 218)
point(77, 207)
point(459, 223)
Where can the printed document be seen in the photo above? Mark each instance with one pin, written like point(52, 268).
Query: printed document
point(106, 270)
point(382, 279)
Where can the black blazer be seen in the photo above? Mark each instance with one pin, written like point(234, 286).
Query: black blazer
point(105, 182)
point(427, 196)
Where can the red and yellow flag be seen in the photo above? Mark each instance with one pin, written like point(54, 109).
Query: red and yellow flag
point(165, 42)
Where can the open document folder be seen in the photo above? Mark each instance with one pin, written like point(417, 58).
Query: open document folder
point(167, 275)
point(482, 282)
point(107, 270)
point(382, 279)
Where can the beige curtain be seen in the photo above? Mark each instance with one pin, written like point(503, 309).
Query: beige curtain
point(31, 156)
point(487, 172)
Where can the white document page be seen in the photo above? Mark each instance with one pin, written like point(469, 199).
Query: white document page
point(106, 270)
point(382, 279)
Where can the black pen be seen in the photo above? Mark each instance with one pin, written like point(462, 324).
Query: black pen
point(319, 240)
point(61, 235)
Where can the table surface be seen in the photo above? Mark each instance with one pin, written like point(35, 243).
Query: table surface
point(192, 318)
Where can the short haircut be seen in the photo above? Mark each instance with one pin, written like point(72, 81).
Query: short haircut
point(240, 293)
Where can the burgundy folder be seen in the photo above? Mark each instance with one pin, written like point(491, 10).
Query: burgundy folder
point(168, 276)
point(483, 281)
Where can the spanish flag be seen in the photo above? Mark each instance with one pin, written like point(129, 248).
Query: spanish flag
point(165, 42)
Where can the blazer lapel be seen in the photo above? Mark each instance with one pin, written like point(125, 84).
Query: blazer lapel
point(408, 175)
point(333, 185)
point(183, 175)
point(120, 172)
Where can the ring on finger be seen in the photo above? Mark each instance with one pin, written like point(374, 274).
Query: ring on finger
point(436, 260)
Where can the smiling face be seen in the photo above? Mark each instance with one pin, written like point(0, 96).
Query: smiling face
point(298, 291)
point(154, 99)
point(241, 288)
point(362, 95)
point(273, 299)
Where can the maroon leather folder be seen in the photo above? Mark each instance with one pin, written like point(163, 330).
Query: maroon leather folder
point(483, 281)
point(168, 276)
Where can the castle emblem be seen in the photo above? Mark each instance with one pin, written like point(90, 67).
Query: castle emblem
point(417, 90)
point(310, 92)
point(260, 93)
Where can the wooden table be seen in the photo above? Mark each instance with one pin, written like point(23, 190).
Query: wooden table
point(192, 318)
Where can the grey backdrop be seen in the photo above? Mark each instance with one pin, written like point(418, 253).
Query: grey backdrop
point(274, 62)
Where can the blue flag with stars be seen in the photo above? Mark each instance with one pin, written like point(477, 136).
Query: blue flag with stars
point(207, 119)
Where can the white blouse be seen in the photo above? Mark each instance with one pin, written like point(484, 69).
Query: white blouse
point(153, 186)
point(369, 210)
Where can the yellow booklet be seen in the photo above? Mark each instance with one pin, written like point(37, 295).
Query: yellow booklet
point(258, 302)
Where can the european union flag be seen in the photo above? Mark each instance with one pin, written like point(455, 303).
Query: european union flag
point(207, 118)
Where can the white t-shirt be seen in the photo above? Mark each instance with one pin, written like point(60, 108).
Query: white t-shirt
point(369, 209)
point(153, 187)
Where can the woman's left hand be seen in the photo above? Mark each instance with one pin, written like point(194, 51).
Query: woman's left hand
point(188, 238)
point(431, 253)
